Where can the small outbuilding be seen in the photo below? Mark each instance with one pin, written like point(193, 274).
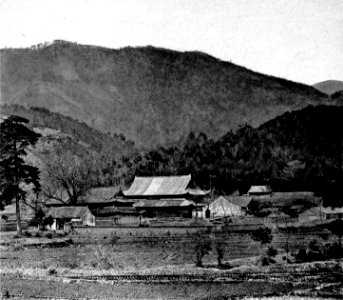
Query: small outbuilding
point(229, 206)
point(71, 214)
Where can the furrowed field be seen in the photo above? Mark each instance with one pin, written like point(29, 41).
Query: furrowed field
point(152, 263)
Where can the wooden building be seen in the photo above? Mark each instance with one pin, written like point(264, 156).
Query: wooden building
point(165, 196)
point(71, 214)
point(229, 206)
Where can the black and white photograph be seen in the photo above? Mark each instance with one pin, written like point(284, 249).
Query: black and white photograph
point(171, 149)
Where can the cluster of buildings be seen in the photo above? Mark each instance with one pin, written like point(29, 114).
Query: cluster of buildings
point(171, 197)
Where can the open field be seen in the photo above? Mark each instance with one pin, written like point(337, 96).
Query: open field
point(106, 265)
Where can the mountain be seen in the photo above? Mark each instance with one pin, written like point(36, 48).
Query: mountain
point(152, 96)
point(329, 86)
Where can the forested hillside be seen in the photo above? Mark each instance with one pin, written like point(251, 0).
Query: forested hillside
point(111, 146)
point(298, 150)
point(152, 96)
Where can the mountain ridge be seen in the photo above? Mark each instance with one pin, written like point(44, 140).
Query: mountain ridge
point(153, 96)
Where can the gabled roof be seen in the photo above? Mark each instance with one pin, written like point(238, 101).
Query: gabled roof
point(159, 186)
point(222, 207)
point(164, 203)
point(68, 212)
point(241, 201)
point(259, 189)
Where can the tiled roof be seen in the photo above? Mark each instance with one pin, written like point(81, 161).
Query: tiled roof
point(159, 186)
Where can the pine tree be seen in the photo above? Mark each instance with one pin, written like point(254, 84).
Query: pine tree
point(15, 139)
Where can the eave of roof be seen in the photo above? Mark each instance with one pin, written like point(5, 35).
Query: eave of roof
point(165, 203)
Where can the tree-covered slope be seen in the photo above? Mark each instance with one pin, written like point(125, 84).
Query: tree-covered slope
point(298, 150)
point(152, 96)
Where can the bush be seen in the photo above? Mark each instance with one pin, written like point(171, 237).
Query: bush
point(266, 261)
point(203, 246)
point(6, 294)
point(271, 252)
point(27, 234)
point(52, 271)
point(49, 235)
point(37, 234)
point(301, 256)
point(334, 251)
point(262, 235)
point(101, 259)
point(114, 238)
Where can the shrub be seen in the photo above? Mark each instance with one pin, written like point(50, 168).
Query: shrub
point(334, 251)
point(6, 294)
point(203, 246)
point(220, 253)
point(37, 234)
point(114, 238)
point(271, 252)
point(266, 260)
point(101, 260)
point(27, 233)
point(301, 256)
point(49, 235)
point(52, 271)
point(262, 235)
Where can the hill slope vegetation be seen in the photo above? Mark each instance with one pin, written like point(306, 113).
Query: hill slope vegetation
point(152, 96)
point(298, 150)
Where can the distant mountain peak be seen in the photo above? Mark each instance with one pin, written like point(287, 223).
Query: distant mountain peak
point(329, 86)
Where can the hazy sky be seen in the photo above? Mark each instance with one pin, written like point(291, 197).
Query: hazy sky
point(298, 40)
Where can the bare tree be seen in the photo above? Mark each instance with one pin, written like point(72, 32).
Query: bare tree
point(67, 176)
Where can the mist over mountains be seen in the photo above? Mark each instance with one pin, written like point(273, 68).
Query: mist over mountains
point(149, 95)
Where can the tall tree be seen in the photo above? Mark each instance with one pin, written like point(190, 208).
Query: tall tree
point(68, 175)
point(15, 173)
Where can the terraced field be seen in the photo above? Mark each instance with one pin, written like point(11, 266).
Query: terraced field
point(105, 265)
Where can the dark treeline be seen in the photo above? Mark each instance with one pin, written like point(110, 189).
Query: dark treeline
point(301, 150)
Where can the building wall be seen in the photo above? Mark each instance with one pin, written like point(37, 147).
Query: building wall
point(127, 220)
point(89, 219)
